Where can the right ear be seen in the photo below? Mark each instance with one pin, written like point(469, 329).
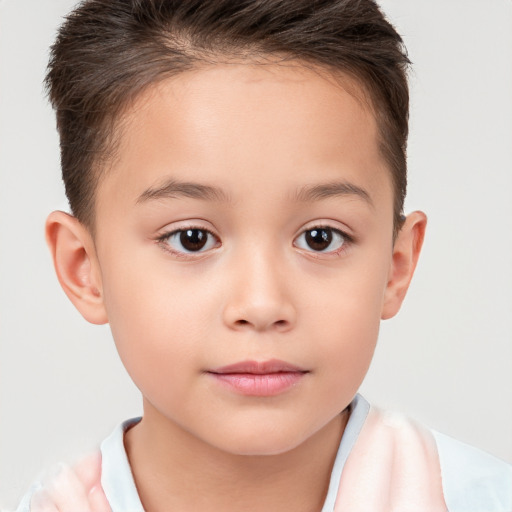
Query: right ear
point(76, 264)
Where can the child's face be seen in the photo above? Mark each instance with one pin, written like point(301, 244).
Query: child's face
point(266, 167)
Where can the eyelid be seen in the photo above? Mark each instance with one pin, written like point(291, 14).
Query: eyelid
point(348, 239)
point(180, 226)
point(328, 224)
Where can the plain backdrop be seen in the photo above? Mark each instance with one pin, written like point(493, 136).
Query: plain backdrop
point(445, 360)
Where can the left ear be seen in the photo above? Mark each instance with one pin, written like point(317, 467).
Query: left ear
point(406, 252)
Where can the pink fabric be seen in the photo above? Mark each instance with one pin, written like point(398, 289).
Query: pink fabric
point(73, 489)
point(393, 467)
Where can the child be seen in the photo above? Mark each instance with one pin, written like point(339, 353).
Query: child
point(236, 172)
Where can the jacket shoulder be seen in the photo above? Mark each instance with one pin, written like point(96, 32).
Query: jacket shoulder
point(473, 480)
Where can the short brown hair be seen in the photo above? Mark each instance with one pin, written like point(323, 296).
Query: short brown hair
point(108, 51)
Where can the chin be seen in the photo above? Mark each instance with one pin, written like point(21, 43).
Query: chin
point(264, 442)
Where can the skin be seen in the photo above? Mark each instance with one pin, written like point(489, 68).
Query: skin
point(261, 136)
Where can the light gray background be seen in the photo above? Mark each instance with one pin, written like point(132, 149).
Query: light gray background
point(445, 360)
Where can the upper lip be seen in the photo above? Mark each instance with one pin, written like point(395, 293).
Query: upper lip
point(259, 367)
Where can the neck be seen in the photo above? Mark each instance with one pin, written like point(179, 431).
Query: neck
point(173, 470)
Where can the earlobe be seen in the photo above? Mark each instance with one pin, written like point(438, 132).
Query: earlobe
point(74, 258)
point(406, 252)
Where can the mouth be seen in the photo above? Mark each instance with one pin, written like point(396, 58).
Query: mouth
point(259, 378)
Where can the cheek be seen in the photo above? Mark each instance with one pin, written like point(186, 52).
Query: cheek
point(345, 320)
point(157, 320)
point(348, 342)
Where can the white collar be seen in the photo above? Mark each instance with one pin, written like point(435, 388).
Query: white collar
point(119, 486)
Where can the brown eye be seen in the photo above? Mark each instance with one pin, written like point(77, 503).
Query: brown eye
point(191, 240)
point(320, 239)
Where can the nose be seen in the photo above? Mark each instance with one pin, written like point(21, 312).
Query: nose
point(259, 297)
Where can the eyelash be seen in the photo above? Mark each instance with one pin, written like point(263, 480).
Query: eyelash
point(163, 239)
point(346, 243)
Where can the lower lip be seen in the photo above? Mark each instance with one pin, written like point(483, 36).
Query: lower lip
point(268, 384)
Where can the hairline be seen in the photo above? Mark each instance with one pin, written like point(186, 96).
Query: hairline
point(113, 125)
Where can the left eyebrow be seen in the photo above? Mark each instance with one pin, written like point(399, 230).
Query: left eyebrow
point(310, 193)
point(173, 189)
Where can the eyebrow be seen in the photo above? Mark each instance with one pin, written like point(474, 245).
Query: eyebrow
point(310, 193)
point(173, 189)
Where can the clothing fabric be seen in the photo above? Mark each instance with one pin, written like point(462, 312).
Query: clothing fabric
point(117, 479)
point(385, 463)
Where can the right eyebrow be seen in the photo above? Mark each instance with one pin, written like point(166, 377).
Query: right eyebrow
point(317, 192)
point(173, 189)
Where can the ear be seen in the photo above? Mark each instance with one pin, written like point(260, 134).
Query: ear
point(406, 252)
point(76, 264)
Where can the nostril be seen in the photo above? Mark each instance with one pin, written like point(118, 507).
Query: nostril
point(277, 323)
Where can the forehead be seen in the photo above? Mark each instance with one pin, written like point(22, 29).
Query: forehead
point(235, 124)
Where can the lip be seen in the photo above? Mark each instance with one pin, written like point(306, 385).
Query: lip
point(259, 378)
point(259, 367)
